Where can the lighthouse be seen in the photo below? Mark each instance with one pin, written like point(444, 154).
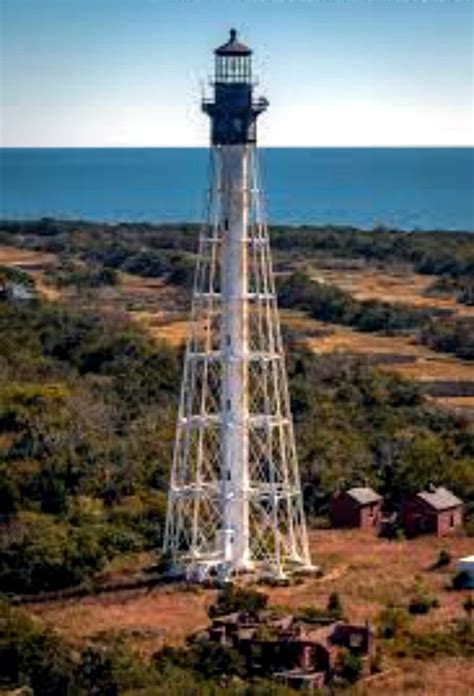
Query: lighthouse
point(235, 502)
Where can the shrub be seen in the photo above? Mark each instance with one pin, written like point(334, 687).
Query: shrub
point(456, 641)
point(392, 622)
point(41, 554)
point(109, 667)
point(422, 604)
point(232, 599)
point(313, 615)
point(444, 559)
point(348, 666)
point(422, 601)
point(334, 606)
point(31, 655)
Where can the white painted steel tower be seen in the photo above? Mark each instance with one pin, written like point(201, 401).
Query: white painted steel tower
point(235, 501)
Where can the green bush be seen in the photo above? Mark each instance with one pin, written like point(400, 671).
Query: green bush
point(330, 303)
point(33, 656)
point(422, 604)
point(422, 601)
point(313, 614)
point(42, 554)
point(454, 641)
point(232, 598)
point(348, 666)
point(108, 667)
point(392, 622)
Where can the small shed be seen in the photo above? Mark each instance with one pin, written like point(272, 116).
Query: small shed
point(435, 511)
point(466, 566)
point(356, 507)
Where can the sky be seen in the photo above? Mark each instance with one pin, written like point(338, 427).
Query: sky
point(113, 73)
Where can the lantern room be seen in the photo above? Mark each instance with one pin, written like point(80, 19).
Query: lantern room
point(232, 110)
point(233, 61)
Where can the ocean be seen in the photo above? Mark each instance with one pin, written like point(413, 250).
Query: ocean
point(404, 188)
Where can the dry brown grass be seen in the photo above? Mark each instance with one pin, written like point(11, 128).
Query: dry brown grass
point(24, 258)
point(389, 286)
point(375, 572)
point(34, 263)
point(440, 368)
point(427, 365)
point(175, 332)
point(366, 571)
point(444, 676)
point(149, 618)
point(458, 402)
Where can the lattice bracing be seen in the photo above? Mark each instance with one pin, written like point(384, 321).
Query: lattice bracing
point(235, 480)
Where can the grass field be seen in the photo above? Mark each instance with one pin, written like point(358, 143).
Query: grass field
point(162, 310)
point(400, 285)
point(367, 572)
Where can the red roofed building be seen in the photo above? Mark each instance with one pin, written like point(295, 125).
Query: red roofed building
point(435, 511)
point(357, 507)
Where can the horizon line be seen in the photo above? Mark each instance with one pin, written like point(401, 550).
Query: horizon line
point(260, 147)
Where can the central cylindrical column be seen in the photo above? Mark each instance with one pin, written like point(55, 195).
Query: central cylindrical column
point(234, 351)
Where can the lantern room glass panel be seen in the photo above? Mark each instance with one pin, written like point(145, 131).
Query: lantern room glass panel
point(231, 69)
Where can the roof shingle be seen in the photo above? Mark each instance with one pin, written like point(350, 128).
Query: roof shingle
point(440, 498)
point(364, 495)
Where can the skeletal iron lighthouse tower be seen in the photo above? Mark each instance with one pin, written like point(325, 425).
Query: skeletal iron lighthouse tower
point(235, 500)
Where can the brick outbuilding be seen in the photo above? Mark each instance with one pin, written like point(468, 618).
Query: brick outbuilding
point(356, 507)
point(435, 511)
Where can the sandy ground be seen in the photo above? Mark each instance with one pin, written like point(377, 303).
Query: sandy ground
point(32, 262)
point(149, 618)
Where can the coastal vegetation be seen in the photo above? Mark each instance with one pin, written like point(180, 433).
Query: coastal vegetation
point(170, 247)
point(435, 327)
point(92, 254)
point(87, 412)
point(88, 403)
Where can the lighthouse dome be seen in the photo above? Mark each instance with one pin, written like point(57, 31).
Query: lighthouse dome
point(233, 47)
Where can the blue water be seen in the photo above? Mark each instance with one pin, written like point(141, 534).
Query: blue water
point(406, 188)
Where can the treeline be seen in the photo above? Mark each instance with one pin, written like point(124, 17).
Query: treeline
point(356, 425)
point(87, 414)
point(155, 251)
point(169, 247)
point(436, 252)
point(325, 302)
